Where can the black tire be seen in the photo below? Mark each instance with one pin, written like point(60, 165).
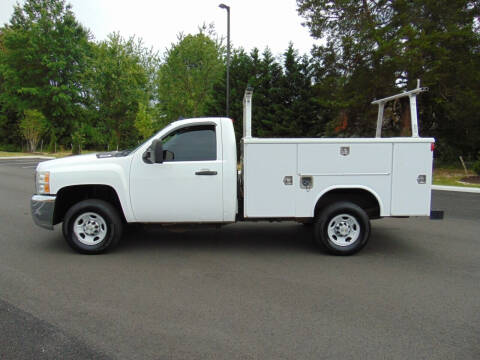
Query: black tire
point(342, 228)
point(104, 219)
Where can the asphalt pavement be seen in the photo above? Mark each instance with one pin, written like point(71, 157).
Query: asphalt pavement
point(245, 291)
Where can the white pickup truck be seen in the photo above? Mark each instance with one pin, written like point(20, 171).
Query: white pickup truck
point(187, 173)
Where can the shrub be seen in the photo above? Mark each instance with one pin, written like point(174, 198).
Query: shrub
point(476, 167)
point(33, 126)
point(10, 148)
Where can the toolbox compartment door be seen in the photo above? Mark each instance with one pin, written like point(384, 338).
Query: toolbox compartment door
point(412, 179)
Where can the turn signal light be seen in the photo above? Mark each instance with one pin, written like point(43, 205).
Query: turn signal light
point(43, 182)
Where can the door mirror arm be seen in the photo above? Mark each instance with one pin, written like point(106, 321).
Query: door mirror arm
point(156, 155)
point(157, 151)
point(168, 155)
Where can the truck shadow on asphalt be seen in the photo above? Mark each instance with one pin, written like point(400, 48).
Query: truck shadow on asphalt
point(259, 237)
point(241, 237)
point(251, 237)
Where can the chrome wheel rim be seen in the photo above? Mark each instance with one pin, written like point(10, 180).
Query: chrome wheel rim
point(90, 228)
point(343, 230)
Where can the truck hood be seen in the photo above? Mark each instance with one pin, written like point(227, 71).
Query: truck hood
point(71, 161)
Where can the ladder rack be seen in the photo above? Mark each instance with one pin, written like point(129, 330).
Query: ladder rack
point(412, 94)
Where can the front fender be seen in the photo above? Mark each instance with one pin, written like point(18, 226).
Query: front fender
point(114, 175)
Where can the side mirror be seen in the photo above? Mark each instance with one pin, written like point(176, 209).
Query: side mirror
point(157, 151)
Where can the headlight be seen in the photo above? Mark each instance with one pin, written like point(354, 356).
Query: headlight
point(43, 182)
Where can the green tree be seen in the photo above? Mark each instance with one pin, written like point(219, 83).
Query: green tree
point(284, 95)
point(43, 62)
point(79, 137)
point(144, 121)
point(187, 77)
point(33, 125)
point(120, 81)
point(267, 82)
point(264, 74)
point(241, 70)
point(9, 134)
point(300, 112)
point(374, 48)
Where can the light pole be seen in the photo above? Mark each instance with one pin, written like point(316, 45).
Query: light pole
point(223, 6)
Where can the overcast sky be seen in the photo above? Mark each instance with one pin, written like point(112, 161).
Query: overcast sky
point(254, 23)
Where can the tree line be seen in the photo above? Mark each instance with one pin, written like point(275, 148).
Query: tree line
point(60, 87)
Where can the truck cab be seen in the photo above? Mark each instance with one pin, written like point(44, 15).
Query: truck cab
point(194, 181)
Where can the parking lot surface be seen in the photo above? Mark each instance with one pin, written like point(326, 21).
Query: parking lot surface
point(25, 163)
point(245, 291)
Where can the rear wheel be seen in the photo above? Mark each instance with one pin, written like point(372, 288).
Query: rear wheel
point(342, 228)
point(92, 226)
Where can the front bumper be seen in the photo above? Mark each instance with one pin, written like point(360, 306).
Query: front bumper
point(42, 207)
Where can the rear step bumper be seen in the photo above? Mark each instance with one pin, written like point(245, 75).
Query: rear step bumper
point(436, 214)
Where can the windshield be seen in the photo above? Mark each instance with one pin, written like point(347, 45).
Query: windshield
point(148, 140)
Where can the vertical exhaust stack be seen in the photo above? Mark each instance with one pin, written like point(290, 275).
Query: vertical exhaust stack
point(247, 112)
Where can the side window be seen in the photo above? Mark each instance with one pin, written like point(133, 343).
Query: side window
point(193, 143)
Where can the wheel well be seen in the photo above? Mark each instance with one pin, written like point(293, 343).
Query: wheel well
point(363, 198)
point(70, 195)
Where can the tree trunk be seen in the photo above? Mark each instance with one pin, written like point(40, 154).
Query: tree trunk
point(33, 145)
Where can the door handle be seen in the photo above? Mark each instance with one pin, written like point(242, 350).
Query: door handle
point(205, 172)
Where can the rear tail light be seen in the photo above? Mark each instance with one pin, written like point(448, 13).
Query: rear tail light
point(432, 146)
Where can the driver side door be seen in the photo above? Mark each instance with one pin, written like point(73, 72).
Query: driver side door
point(187, 186)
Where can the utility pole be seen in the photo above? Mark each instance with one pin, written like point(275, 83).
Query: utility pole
point(223, 6)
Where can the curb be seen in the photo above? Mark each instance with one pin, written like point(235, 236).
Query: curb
point(26, 157)
point(456, 188)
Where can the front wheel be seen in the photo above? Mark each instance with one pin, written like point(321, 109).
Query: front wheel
point(92, 226)
point(342, 228)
